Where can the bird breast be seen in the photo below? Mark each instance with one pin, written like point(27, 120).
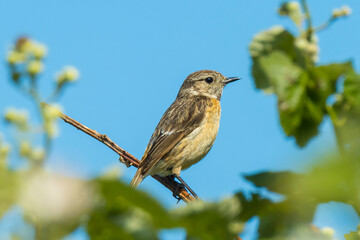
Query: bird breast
point(198, 143)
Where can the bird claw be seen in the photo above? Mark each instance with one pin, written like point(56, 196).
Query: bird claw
point(179, 188)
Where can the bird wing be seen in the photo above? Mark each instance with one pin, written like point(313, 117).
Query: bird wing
point(181, 118)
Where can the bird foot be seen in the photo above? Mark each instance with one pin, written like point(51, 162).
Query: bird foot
point(186, 186)
point(179, 188)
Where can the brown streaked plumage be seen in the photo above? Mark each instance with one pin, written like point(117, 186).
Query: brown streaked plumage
point(188, 128)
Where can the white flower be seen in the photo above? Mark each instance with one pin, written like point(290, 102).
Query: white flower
point(342, 12)
point(15, 57)
point(34, 67)
point(53, 198)
point(328, 231)
point(68, 74)
point(39, 50)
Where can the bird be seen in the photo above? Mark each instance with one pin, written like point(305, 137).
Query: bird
point(187, 130)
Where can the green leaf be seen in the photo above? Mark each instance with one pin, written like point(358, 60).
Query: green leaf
point(125, 213)
point(332, 72)
point(302, 95)
point(208, 221)
point(311, 117)
point(353, 236)
point(338, 174)
point(347, 114)
point(274, 39)
point(277, 219)
point(352, 88)
point(264, 43)
point(8, 186)
point(336, 179)
point(293, 10)
point(255, 205)
point(116, 192)
point(299, 116)
point(262, 81)
point(282, 73)
point(111, 224)
point(279, 182)
point(58, 230)
point(323, 81)
point(283, 65)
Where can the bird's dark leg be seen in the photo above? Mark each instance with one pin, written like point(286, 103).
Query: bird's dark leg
point(179, 187)
point(186, 186)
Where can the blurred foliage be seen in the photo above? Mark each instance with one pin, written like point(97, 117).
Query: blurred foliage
point(345, 115)
point(353, 236)
point(41, 194)
point(125, 213)
point(284, 64)
point(335, 179)
point(8, 183)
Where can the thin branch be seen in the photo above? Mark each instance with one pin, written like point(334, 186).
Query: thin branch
point(309, 28)
point(325, 25)
point(127, 158)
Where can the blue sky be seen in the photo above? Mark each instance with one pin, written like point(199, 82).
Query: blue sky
point(133, 57)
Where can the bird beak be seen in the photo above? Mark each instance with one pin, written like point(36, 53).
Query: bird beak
point(230, 79)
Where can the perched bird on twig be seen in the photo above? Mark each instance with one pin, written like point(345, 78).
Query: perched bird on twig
point(187, 130)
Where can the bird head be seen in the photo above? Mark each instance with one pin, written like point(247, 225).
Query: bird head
point(205, 83)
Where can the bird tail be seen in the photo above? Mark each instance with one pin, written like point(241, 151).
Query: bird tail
point(137, 179)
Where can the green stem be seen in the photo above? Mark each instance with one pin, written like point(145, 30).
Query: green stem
point(55, 95)
point(309, 28)
point(37, 228)
point(339, 141)
point(325, 25)
point(37, 100)
point(336, 124)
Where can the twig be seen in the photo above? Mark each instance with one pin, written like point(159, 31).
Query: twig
point(325, 25)
point(125, 157)
point(309, 27)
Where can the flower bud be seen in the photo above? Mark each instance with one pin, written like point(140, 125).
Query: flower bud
point(68, 74)
point(35, 67)
point(17, 117)
point(25, 149)
point(341, 12)
point(39, 50)
point(23, 44)
point(292, 10)
point(311, 49)
point(52, 112)
point(288, 7)
point(50, 115)
point(4, 151)
point(38, 155)
point(328, 231)
point(15, 57)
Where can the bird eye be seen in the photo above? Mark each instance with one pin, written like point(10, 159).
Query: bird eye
point(209, 80)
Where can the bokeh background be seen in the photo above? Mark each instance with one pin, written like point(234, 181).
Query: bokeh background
point(134, 55)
